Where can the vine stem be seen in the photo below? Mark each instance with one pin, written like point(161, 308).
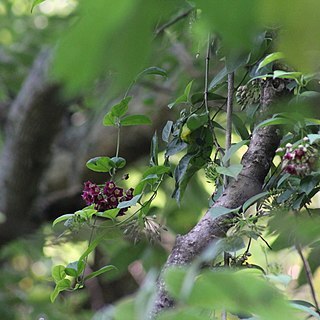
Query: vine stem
point(309, 276)
point(89, 243)
point(206, 79)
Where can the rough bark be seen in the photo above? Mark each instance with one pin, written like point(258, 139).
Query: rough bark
point(256, 164)
point(33, 122)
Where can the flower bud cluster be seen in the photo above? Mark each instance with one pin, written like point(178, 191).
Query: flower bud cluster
point(248, 94)
point(300, 160)
point(107, 197)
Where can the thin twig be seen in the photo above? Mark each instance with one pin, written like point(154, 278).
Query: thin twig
point(173, 21)
point(206, 79)
point(229, 119)
point(308, 272)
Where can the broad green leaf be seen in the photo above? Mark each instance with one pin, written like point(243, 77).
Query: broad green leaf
point(233, 149)
point(58, 273)
point(188, 89)
point(273, 122)
point(118, 41)
point(100, 164)
point(313, 138)
point(174, 146)
point(240, 127)
point(286, 75)
point(199, 97)
point(232, 244)
point(218, 78)
point(312, 121)
point(242, 292)
point(35, 3)
point(150, 179)
point(153, 70)
point(100, 271)
point(117, 162)
point(121, 108)
point(111, 213)
point(158, 170)
point(196, 121)
point(62, 218)
point(72, 269)
point(305, 309)
point(166, 132)
point(109, 120)
point(132, 202)
point(253, 200)
point(134, 120)
point(234, 61)
point(62, 285)
point(231, 171)
point(216, 212)
point(217, 125)
point(181, 99)
point(271, 58)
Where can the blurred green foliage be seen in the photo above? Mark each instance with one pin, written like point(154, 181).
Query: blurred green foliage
point(100, 39)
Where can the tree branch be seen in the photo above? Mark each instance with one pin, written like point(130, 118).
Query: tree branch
point(32, 124)
point(256, 164)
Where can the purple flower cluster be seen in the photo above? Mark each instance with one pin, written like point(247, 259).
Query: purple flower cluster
point(107, 197)
point(300, 160)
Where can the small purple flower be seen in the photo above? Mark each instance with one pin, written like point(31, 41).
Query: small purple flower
point(299, 153)
point(90, 192)
point(288, 156)
point(291, 169)
point(109, 187)
point(118, 192)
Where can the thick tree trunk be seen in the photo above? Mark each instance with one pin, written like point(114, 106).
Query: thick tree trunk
point(32, 124)
point(256, 164)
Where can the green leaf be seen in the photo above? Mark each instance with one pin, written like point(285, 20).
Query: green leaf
point(306, 309)
point(100, 271)
point(62, 285)
point(153, 70)
point(242, 292)
point(58, 273)
point(181, 99)
point(117, 162)
point(233, 149)
point(134, 120)
point(35, 3)
point(72, 269)
point(154, 150)
point(166, 132)
point(270, 58)
point(158, 170)
point(132, 202)
point(62, 218)
point(109, 120)
point(313, 138)
point(218, 78)
point(100, 164)
point(199, 97)
point(286, 75)
point(216, 212)
point(312, 121)
point(188, 89)
point(253, 200)
point(196, 121)
point(121, 108)
point(240, 127)
point(231, 171)
point(111, 213)
point(274, 121)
